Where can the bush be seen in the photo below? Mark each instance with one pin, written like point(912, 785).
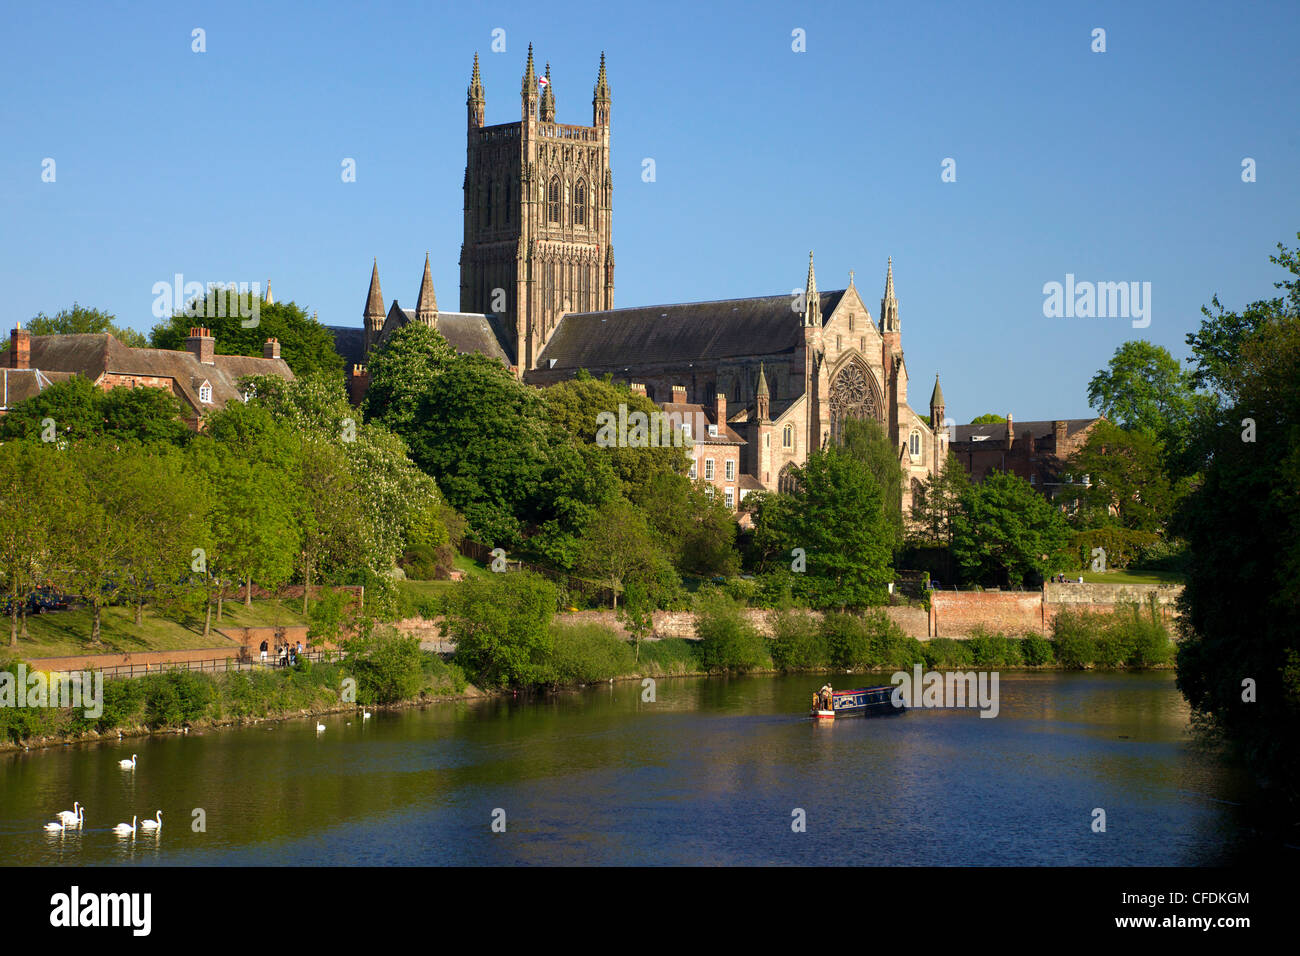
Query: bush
point(869, 642)
point(797, 642)
point(946, 652)
point(728, 642)
point(1074, 637)
point(587, 653)
point(387, 665)
point(176, 698)
point(670, 655)
point(1122, 545)
point(994, 650)
point(501, 626)
point(420, 562)
point(848, 641)
point(1036, 650)
point(1146, 640)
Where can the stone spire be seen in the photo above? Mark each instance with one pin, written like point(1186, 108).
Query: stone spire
point(889, 302)
point(936, 397)
point(426, 306)
point(476, 102)
point(269, 298)
point(762, 398)
point(600, 98)
point(812, 310)
point(528, 89)
point(373, 316)
point(548, 99)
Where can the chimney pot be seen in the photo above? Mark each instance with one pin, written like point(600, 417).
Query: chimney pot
point(720, 406)
point(202, 346)
point(679, 394)
point(20, 348)
point(271, 350)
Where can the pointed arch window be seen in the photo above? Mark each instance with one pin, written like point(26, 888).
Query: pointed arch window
point(787, 436)
point(553, 200)
point(916, 445)
point(580, 203)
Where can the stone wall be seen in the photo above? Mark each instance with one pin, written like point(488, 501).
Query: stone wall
point(957, 613)
point(912, 620)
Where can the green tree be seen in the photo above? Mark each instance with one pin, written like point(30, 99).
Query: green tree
point(401, 372)
point(1241, 604)
point(618, 547)
point(32, 532)
point(80, 320)
point(933, 510)
point(1143, 389)
point(501, 626)
point(835, 516)
point(638, 613)
point(865, 439)
point(305, 345)
point(1006, 531)
point(329, 512)
point(1126, 474)
point(989, 418)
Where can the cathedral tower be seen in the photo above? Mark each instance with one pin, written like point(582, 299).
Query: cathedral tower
point(538, 213)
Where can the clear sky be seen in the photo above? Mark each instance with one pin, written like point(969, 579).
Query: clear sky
point(1117, 166)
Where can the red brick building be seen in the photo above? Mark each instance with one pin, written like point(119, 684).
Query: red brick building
point(201, 379)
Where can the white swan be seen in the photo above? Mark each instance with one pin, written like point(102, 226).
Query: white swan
point(125, 828)
point(127, 764)
point(152, 824)
point(365, 715)
point(320, 728)
point(55, 827)
point(69, 817)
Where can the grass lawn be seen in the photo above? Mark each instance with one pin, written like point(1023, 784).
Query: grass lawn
point(430, 590)
point(60, 633)
point(1131, 577)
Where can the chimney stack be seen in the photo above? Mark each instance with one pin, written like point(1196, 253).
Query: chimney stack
point(1011, 432)
point(271, 350)
point(720, 407)
point(679, 394)
point(637, 388)
point(20, 347)
point(202, 345)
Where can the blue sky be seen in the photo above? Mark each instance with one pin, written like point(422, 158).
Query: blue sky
point(1115, 166)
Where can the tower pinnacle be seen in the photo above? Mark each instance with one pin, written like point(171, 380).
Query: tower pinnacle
point(426, 306)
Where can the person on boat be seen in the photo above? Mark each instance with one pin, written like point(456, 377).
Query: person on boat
point(817, 701)
point(826, 696)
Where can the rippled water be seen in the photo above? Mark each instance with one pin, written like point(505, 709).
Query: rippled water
point(708, 774)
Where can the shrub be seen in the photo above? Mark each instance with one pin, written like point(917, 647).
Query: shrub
point(941, 652)
point(501, 626)
point(797, 642)
point(848, 641)
point(387, 665)
point(671, 655)
point(994, 650)
point(728, 642)
point(421, 562)
point(1122, 545)
point(1036, 650)
point(1146, 640)
point(1073, 634)
point(176, 698)
point(587, 653)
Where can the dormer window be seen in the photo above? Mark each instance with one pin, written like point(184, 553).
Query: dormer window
point(713, 431)
point(205, 393)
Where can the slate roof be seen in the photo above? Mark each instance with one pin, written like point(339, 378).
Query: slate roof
point(350, 343)
point(686, 332)
point(472, 332)
point(97, 354)
point(1040, 429)
point(691, 413)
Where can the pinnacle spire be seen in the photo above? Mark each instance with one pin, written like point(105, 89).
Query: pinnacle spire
point(812, 310)
point(530, 76)
point(548, 99)
point(426, 306)
point(762, 391)
point(936, 397)
point(889, 279)
point(375, 298)
point(602, 82)
point(270, 300)
point(600, 97)
point(475, 81)
point(889, 302)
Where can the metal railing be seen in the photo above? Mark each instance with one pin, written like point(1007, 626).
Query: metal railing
point(211, 666)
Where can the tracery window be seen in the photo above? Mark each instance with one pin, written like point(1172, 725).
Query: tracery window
point(852, 396)
point(916, 444)
point(580, 203)
point(553, 200)
point(787, 437)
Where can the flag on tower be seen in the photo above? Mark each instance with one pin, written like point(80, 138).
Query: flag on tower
point(543, 81)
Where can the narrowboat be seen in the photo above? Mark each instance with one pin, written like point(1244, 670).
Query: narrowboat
point(864, 702)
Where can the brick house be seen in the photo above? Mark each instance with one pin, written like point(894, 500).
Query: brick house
point(717, 449)
point(201, 379)
point(1036, 451)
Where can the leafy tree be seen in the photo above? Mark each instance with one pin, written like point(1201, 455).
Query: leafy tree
point(693, 526)
point(80, 410)
point(401, 373)
point(638, 613)
point(501, 626)
point(933, 510)
point(32, 533)
point(80, 320)
point(329, 512)
point(618, 547)
point(865, 440)
point(1006, 531)
point(1126, 474)
point(1143, 389)
point(305, 345)
point(836, 516)
point(1241, 605)
point(989, 418)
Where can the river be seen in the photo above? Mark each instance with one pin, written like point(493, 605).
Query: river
point(711, 772)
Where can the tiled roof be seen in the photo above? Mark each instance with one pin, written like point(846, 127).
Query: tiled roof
point(691, 414)
point(472, 332)
point(687, 332)
point(17, 384)
point(94, 355)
